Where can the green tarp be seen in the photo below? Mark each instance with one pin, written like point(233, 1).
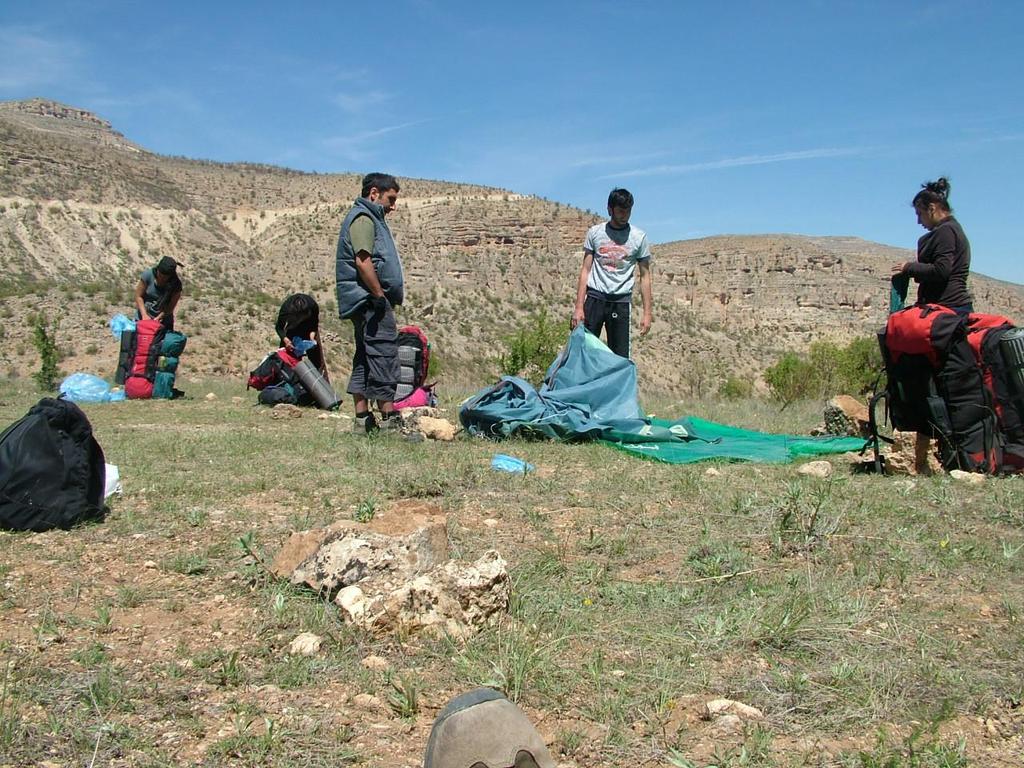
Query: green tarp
point(590, 393)
point(720, 441)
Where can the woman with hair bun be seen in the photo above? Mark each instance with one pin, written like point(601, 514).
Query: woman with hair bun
point(943, 254)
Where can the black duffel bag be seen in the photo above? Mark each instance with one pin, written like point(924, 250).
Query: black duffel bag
point(51, 469)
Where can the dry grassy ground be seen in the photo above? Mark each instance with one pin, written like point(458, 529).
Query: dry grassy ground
point(875, 622)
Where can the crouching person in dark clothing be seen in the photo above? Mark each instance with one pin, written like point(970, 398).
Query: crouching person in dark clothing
point(299, 318)
point(370, 284)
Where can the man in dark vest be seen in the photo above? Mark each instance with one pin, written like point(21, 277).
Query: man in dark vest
point(370, 284)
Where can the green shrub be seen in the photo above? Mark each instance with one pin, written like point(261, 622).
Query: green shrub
point(532, 348)
point(789, 378)
point(736, 389)
point(44, 339)
point(827, 370)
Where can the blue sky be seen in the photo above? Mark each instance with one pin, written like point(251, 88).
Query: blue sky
point(817, 118)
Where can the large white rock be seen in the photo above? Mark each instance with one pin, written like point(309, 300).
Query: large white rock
point(394, 573)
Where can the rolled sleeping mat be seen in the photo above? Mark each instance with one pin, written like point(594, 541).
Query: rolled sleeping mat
point(322, 392)
point(125, 356)
point(1012, 348)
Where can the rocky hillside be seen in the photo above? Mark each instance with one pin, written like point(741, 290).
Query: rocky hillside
point(83, 210)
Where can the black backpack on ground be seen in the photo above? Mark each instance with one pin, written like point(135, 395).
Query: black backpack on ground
point(52, 469)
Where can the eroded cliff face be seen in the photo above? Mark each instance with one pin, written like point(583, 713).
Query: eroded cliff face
point(83, 211)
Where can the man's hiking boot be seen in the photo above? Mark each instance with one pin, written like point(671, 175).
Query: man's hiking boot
point(482, 727)
point(365, 424)
point(392, 423)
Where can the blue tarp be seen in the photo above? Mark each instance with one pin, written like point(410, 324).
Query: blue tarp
point(590, 393)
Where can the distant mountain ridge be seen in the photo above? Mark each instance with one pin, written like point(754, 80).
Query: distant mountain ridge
point(83, 210)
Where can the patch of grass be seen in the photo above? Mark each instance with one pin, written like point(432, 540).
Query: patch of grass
point(640, 591)
point(92, 655)
point(365, 510)
point(189, 564)
point(130, 596)
point(221, 667)
point(11, 725)
point(922, 749)
point(403, 695)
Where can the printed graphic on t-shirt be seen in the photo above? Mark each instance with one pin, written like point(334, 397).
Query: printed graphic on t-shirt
point(612, 255)
point(616, 253)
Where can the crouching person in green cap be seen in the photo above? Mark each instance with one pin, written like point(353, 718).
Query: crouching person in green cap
point(157, 293)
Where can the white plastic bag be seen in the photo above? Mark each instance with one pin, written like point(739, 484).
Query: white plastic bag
point(112, 483)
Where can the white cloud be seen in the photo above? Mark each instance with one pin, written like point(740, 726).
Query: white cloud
point(609, 159)
point(29, 60)
point(736, 162)
point(359, 102)
point(358, 146)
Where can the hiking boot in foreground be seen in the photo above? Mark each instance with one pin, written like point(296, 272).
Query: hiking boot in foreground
point(395, 425)
point(483, 728)
point(391, 423)
point(365, 424)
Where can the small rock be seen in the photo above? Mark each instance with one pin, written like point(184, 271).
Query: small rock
point(970, 478)
point(149, 564)
point(712, 472)
point(324, 416)
point(376, 663)
point(618, 673)
point(436, 429)
point(210, 396)
point(352, 601)
point(728, 724)
point(718, 707)
point(912, 454)
point(237, 400)
point(367, 701)
point(490, 522)
point(286, 411)
point(815, 469)
point(306, 644)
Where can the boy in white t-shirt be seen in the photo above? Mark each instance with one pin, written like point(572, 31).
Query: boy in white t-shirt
point(612, 255)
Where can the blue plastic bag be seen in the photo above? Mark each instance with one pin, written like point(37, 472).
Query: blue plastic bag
point(85, 388)
point(505, 463)
point(119, 324)
point(301, 346)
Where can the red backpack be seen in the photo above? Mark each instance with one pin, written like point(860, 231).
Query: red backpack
point(149, 336)
point(946, 378)
point(273, 369)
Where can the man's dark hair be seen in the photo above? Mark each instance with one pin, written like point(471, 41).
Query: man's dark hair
point(382, 181)
point(620, 198)
point(299, 314)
